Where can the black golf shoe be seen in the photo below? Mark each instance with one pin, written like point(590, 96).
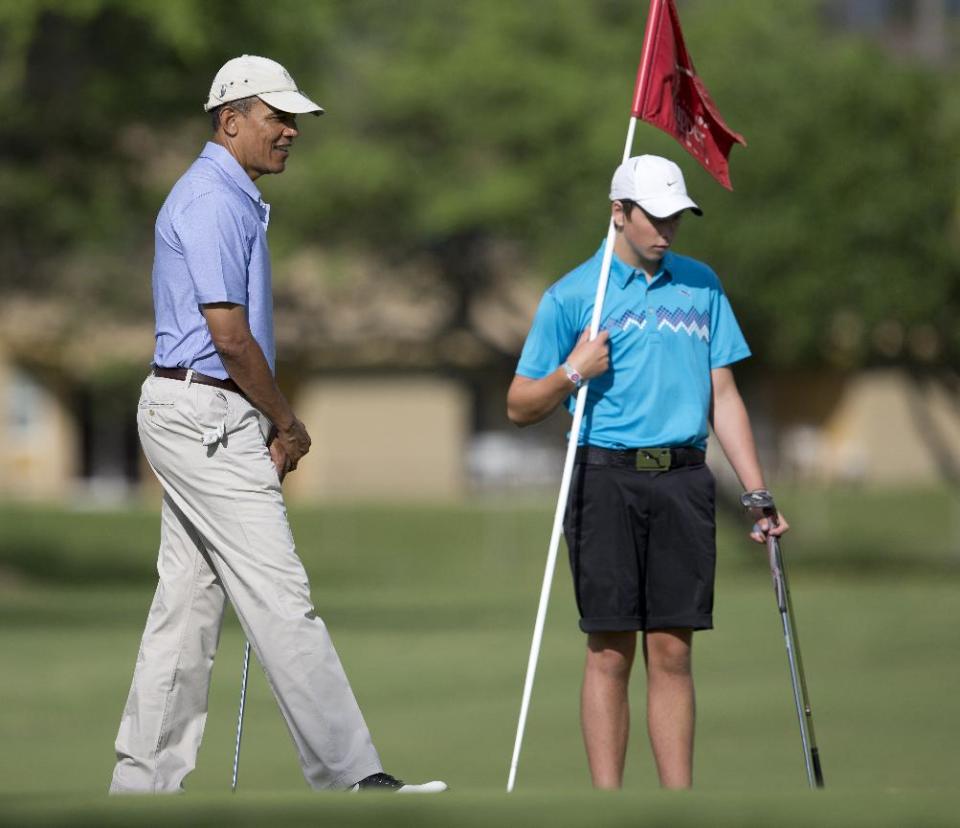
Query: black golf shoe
point(389, 784)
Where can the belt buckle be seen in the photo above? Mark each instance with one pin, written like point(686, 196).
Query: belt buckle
point(655, 459)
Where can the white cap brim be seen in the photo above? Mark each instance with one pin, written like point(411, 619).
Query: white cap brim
point(670, 205)
point(289, 101)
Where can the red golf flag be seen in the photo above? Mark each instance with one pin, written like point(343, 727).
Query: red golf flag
point(669, 95)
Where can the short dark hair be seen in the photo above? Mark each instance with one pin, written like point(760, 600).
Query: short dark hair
point(628, 206)
point(241, 105)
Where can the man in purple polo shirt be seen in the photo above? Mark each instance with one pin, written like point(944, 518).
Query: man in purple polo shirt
point(220, 437)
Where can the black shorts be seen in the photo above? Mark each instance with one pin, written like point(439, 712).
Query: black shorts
point(642, 547)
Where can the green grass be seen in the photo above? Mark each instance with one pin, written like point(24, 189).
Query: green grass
point(555, 809)
point(432, 610)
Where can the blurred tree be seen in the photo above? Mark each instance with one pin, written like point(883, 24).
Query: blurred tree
point(840, 245)
point(100, 105)
point(458, 131)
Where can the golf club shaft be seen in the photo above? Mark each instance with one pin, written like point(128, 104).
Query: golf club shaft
point(243, 702)
point(811, 756)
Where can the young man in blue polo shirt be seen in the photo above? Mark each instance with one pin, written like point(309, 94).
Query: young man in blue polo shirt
point(640, 519)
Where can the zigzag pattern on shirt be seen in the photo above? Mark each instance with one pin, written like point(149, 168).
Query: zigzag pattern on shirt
point(629, 318)
point(687, 320)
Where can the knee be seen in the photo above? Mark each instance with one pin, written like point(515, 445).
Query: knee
point(611, 655)
point(668, 655)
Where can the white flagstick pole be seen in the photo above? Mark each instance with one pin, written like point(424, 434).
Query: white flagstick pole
point(564, 490)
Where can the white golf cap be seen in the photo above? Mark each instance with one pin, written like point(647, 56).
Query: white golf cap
point(249, 75)
point(655, 183)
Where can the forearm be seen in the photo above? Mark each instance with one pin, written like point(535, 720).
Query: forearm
point(731, 424)
point(247, 366)
point(530, 401)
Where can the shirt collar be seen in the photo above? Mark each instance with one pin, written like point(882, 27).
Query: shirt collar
point(622, 274)
point(232, 169)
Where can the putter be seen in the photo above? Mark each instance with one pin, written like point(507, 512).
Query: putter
point(243, 701)
point(763, 500)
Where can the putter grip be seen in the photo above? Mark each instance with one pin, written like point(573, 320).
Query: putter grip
point(772, 513)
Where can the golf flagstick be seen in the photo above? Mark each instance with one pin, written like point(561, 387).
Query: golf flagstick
point(243, 701)
point(564, 490)
point(575, 430)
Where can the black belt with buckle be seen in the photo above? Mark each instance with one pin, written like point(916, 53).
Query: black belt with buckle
point(642, 459)
point(200, 379)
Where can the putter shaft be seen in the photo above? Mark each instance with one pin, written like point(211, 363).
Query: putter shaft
point(762, 500)
point(811, 755)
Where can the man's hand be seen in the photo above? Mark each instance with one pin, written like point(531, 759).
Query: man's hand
point(532, 400)
point(248, 368)
point(764, 526)
point(591, 357)
point(288, 446)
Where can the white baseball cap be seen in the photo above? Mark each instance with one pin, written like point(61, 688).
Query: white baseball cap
point(655, 183)
point(249, 75)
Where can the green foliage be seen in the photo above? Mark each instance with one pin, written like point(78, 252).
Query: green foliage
point(842, 237)
point(453, 128)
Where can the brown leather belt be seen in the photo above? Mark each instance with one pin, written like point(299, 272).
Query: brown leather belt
point(201, 379)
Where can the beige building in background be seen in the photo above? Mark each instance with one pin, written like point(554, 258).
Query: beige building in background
point(392, 435)
point(883, 427)
point(383, 437)
point(38, 440)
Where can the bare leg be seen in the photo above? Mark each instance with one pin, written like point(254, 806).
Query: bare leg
point(670, 704)
point(604, 705)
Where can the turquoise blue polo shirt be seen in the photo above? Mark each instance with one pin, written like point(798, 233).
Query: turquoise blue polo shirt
point(210, 246)
point(665, 337)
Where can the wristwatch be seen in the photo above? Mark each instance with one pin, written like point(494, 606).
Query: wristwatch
point(573, 374)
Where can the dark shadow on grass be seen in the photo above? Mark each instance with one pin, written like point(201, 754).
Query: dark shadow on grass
point(46, 560)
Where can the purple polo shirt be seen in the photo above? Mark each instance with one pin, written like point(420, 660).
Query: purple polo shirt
point(211, 246)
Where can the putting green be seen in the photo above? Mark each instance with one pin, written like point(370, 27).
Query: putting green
point(432, 611)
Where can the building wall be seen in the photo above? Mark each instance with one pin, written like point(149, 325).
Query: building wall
point(383, 437)
point(38, 437)
point(889, 430)
point(409, 437)
point(883, 427)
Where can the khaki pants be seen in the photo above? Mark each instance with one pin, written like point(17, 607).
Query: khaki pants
point(224, 535)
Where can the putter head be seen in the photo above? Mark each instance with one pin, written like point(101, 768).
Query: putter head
point(758, 499)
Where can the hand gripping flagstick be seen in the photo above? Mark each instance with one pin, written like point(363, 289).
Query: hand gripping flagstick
point(684, 110)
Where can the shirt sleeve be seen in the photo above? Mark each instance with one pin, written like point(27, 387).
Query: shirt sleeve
point(216, 250)
point(550, 340)
point(727, 344)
